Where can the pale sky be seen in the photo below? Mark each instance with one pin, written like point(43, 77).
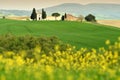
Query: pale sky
point(29, 4)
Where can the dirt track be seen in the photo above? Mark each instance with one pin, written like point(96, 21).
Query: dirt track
point(115, 23)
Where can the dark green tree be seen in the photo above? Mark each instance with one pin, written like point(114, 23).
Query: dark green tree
point(44, 15)
point(90, 18)
point(63, 18)
point(55, 15)
point(3, 17)
point(33, 15)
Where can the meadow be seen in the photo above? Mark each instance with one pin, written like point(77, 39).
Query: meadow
point(94, 54)
point(75, 33)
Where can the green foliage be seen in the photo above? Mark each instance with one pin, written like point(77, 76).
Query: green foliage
point(31, 44)
point(12, 43)
point(55, 15)
point(34, 14)
point(90, 18)
point(44, 15)
point(63, 18)
point(65, 15)
point(78, 34)
point(3, 17)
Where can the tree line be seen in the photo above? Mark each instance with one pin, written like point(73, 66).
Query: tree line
point(89, 18)
point(34, 14)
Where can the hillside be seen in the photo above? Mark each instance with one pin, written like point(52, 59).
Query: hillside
point(101, 11)
point(15, 12)
point(76, 33)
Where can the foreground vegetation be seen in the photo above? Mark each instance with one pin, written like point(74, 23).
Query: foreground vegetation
point(47, 58)
point(74, 33)
point(70, 64)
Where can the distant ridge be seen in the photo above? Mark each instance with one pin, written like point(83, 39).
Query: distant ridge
point(15, 12)
point(100, 10)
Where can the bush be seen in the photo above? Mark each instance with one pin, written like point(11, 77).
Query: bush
point(44, 45)
point(90, 18)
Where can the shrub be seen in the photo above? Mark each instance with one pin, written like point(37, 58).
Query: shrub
point(90, 18)
point(28, 43)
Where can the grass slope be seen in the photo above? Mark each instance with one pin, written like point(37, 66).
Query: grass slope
point(76, 33)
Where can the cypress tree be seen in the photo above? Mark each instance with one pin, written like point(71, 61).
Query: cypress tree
point(34, 14)
point(65, 16)
point(44, 15)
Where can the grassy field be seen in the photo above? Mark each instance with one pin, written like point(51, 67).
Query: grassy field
point(70, 64)
point(76, 33)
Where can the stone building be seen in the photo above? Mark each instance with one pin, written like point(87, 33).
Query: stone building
point(71, 18)
point(39, 15)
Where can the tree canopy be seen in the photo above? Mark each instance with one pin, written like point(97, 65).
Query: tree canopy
point(44, 15)
point(90, 18)
point(55, 15)
point(65, 16)
point(34, 14)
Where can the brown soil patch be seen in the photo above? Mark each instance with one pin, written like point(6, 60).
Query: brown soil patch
point(115, 23)
point(18, 18)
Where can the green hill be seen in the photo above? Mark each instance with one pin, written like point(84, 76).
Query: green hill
point(76, 33)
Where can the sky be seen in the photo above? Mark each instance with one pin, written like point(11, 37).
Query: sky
point(29, 4)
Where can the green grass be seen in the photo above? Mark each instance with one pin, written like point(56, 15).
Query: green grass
point(75, 33)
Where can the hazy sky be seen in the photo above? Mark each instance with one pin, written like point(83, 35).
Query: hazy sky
point(28, 4)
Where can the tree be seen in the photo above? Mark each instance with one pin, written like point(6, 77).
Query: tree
point(80, 18)
point(34, 14)
point(90, 18)
point(3, 17)
point(55, 15)
point(44, 15)
point(63, 18)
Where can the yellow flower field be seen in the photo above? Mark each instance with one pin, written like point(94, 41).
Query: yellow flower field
point(83, 64)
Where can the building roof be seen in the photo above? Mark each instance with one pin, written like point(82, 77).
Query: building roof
point(71, 17)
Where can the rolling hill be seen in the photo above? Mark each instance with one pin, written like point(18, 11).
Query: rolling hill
point(15, 12)
point(101, 11)
point(79, 34)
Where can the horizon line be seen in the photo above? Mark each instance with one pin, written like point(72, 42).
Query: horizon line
point(58, 5)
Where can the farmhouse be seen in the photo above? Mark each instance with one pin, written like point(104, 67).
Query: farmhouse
point(39, 15)
point(71, 18)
